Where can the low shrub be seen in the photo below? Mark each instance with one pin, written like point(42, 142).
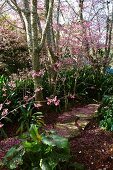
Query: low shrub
point(14, 97)
point(105, 113)
point(92, 84)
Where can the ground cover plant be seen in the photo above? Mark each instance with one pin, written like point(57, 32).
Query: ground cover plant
point(38, 151)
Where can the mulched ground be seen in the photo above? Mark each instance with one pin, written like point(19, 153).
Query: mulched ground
point(93, 147)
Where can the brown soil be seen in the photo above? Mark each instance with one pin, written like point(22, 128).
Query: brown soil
point(94, 149)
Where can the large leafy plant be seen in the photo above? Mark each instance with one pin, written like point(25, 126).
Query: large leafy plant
point(38, 151)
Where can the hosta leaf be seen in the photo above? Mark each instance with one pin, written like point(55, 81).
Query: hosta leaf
point(11, 152)
point(59, 141)
point(48, 141)
point(13, 157)
point(55, 140)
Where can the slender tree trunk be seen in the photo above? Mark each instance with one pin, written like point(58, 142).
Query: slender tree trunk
point(109, 27)
point(58, 33)
point(35, 51)
point(85, 43)
point(51, 47)
point(50, 35)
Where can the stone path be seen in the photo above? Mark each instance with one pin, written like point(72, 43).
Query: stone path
point(67, 125)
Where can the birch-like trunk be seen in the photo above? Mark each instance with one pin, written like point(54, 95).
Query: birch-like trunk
point(50, 35)
point(35, 50)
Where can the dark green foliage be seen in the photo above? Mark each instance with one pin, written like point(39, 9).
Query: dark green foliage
point(14, 91)
point(12, 95)
point(105, 113)
point(92, 84)
point(86, 83)
point(13, 47)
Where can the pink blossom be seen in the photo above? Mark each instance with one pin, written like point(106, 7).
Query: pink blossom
point(49, 101)
point(37, 74)
point(33, 74)
point(4, 113)
point(1, 106)
point(54, 101)
point(4, 94)
point(41, 72)
point(1, 125)
point(25, 97)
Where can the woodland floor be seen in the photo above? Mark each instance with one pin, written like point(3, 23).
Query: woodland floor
point(91, 146)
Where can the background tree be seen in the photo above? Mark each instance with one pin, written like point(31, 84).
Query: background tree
point(77, 29)
point(29, 15)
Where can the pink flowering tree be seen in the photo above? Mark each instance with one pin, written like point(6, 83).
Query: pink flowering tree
point(58, 28)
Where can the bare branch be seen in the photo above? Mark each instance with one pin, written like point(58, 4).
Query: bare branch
point(13, 4)
point(11, 23)
point(72, 8)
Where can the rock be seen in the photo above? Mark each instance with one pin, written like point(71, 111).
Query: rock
point(68, 130)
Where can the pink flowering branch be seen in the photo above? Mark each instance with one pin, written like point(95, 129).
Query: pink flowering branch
point(54, 101)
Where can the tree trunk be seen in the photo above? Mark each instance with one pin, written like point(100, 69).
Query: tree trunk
point(35, 51)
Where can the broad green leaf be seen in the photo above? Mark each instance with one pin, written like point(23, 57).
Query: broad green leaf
point(13, 158)
point(48, 141)
point(59, 141)
point(11, 152)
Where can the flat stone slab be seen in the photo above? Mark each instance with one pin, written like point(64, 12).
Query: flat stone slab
point(66, 125)
point(67, 130)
